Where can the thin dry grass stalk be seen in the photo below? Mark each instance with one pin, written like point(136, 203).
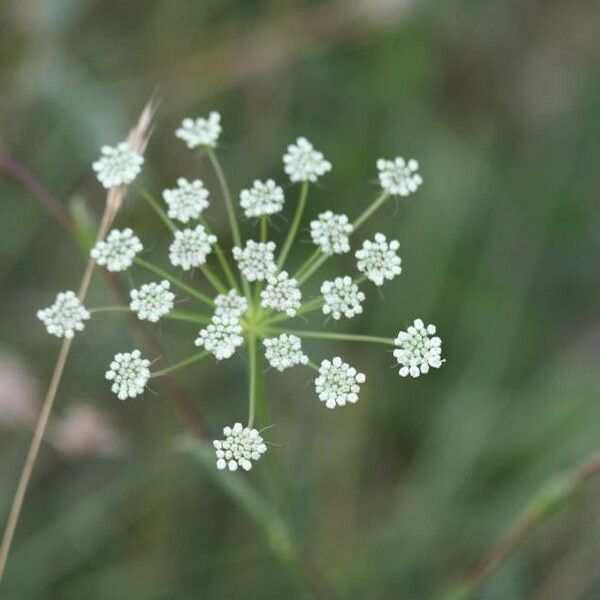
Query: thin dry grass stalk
point(137, 140)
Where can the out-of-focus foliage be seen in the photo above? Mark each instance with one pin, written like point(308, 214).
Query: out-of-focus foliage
point(398, 495)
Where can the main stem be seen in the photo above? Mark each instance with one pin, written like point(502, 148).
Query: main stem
point(289, 240)
point(252, 366)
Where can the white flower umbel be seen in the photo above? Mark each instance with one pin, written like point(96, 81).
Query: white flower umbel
point(231, 305)
point(284, 351)
point(330, 232)
point(256, 261)
point(338, 383)
point(118, 165)
point(65, 316)
point(118, 250)
point(264, 198)
point(303, 163)
point(152, 301)
point(201, 131)
point(187, 201)
point(191, 247)
point(419, 349)
point(281, 294)
point(129, 373)
point(399, 177)
point(341, 297)
point(241, 446)
point(378, 260)
point(221, 337)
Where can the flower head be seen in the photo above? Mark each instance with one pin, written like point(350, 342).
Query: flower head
point(152, 301)
point(118, 250)
point(187, 201)
point(231, 305)
point(282, 294)
point(418, 349)
point(129, 374)
point(378, 260)
point(341, 297)
point(257, 260)
point(118, 165)
point(221, 336)
point(303, 163)
point(338, 383)
point(264, 198)
point(201, 131)
point(65, 316)
point(330, 232)
point(240, 447)
point(399, 177)
point(191, 247)
point(284, 351)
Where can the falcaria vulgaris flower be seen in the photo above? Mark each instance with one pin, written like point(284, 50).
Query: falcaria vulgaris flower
point(255, 291)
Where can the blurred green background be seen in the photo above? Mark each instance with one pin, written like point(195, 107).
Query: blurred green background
point(398, 496)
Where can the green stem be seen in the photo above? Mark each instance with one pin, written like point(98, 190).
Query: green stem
point(287, 244)
point(175, 281)
point(156, 207)
point(370, 210)
point(189, 317)
point(222, 259)
point(316, 264)
point(308, 263)
point(214, 280)
point(309, 307)
point(253, 374)
point(235, 231)
point(111, 308)
point(320, 335)
point(263, 228)
point(317, 258)
point(174, 315)
point(179, 365)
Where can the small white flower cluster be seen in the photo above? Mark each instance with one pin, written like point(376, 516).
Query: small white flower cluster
point(191, 247)
point(240, 447)
point(282, 294)
point(330, 232)
point(399, 177)
point(187, 201)
point(118, 250)
point(152, 301)
point(419, 349)
point(303, 163)
point(264, 198)
point(65, 316)
point(378, 260)
point(338, 383)
point(221, 336)
point(129, 373)
point(256, 261)
point(201, 131)
point(284, 351)
point(118, 165)
point(342, 297)
point(230, 305)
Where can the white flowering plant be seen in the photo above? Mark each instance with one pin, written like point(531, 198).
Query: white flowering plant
point(255, 291)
